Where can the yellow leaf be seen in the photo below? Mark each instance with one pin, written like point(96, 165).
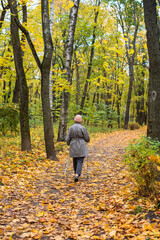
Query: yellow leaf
point(147, 227)
point(40, 214)
point(112, 233)
point(25, 235)
point(58, 238)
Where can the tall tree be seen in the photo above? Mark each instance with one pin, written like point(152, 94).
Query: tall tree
point(151, 22)
point(129, 15)
point(44, 67)
point(17, 51)
point(50, 78)
point(45, 74)
point(16, 88)
point(68, 60)
point(91, 56)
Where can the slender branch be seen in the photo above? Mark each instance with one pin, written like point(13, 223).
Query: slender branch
point(3, 13)
point(24, 30)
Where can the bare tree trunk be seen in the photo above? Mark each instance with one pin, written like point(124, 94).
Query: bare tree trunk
point(68, 60)
point(24, 117)
point(5, 8)
point(131, 80)
point(45, 73)
point(16, 88)
point(134, 13)
point(77, 80)
point(90, 62)
point(153, 44)
point(16, 92)
point(140, 119)
point(119, 96)
point(50, 78)
point(4, 91)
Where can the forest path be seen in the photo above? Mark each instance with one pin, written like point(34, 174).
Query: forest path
point(43, 204)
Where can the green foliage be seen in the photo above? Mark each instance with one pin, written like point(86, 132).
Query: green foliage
point(9, 118)
point(133, 126)
point(100, 115)
point(137, 210)
point(142, 158)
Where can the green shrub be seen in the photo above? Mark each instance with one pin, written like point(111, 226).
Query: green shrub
point(142, 158)
point(133, 126)
point(9, 118)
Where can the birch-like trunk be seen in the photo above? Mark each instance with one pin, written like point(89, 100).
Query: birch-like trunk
point(45, 72)
point(50, 78)
point(68, 60)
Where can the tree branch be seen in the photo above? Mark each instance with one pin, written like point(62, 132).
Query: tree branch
point(24, 30)
point(3, 13)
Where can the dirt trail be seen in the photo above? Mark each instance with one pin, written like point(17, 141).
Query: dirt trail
point(102, 207)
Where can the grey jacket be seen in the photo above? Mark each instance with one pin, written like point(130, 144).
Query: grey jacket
point(76, 138)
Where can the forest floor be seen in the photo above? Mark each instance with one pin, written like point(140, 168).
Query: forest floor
point(38, 202)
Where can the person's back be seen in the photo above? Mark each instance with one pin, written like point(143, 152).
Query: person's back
point(76, 138)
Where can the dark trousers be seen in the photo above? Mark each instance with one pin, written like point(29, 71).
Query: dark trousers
point(77, 165)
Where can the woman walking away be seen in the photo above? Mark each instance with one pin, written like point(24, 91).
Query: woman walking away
point(76, 138)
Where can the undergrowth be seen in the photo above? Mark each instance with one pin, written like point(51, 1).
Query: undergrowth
point(143, 159)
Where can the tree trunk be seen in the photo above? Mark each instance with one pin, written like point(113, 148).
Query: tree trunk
point(68, 60)
point(16, 92)
point(45, 73)
point(90, 62)
point(3, 13)
point(45, 70)
point(50, 78)
point(77, 80)
point(63, 117)
point(130, 24)
point(153, 44)
point(131, 76)
point(16, 88)
point(119, 96)
point(24, 117)
point(140, 119)
point(4, 91)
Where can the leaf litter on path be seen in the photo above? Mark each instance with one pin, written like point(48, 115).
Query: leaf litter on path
point(38, 202)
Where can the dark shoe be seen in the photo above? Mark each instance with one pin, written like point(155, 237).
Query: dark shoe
point(76, 178)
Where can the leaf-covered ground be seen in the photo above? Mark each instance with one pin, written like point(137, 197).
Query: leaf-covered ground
point(38, 202)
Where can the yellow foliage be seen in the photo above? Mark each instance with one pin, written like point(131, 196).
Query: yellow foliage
point(155, 158)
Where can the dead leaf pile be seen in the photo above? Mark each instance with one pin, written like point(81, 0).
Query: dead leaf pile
point(37, 201)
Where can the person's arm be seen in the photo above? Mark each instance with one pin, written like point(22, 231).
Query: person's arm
point(86, 134)
point(68, 137)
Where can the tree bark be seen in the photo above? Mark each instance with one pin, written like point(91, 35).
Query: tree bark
point(51, 74)
point(131, 60)
point(77, 80)
point(68, 60)
point(16, 88)
point(131, 80)
point(45, 73)
point(151, 22)
point(90, 63)
point(140, 118)
point(2, 17)
point(24, 117)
